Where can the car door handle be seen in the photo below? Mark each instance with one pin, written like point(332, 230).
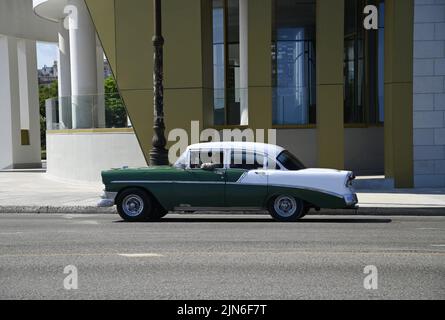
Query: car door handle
point(260, 173)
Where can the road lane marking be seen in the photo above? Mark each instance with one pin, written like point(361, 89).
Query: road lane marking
point(219, 254)
point(87, 222)
point(141, 255)
point(438, 245)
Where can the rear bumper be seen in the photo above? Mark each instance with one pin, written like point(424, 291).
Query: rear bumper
point(108, 200)
point(351, 201)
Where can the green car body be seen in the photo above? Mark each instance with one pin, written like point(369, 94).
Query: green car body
point(186, 188)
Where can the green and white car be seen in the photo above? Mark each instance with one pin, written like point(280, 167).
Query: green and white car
point(228, 176)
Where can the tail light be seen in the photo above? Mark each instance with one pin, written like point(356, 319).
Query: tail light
point(350, 180)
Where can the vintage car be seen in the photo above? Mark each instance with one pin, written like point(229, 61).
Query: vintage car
point(228, 177)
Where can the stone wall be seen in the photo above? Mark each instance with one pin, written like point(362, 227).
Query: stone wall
point(429, 93)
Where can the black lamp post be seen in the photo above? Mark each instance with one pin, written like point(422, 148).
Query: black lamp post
point(158, 154)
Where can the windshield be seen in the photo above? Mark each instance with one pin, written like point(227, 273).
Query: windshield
point(290, 162)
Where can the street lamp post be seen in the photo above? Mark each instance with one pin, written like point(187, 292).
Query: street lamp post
point(158, 154)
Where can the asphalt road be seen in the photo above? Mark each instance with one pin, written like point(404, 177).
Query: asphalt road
point(221, 257)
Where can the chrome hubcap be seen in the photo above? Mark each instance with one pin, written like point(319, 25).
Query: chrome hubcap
point(133, 205)
point(285, 206)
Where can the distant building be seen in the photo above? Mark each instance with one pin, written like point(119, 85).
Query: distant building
point(48, 75)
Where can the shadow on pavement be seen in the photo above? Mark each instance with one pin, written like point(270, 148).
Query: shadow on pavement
point(270, 220)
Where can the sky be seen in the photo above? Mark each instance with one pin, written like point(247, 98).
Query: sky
point(46, 54)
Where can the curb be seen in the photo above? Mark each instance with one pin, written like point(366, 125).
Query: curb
point(389, 211)
point(55, 210)
point(366, 211)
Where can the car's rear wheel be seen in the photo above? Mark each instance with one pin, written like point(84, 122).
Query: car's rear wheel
point(136, 205)
point(286, 208)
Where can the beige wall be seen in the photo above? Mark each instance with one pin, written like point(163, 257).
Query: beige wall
point(125, 29)
point(260, 63)
point(330, 110)
point(399, 154)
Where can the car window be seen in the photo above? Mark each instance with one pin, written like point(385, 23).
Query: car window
point(290, 162)
point(246, 160)
point(198, 158)
point(272, 164)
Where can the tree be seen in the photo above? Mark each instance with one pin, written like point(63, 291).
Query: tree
point(115, 113)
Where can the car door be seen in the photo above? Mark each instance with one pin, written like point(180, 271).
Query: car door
point(247, 180)
point(199, 188)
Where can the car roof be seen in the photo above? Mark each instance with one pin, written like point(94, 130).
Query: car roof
point(247, 146)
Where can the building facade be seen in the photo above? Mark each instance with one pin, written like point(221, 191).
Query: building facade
point(20, 142)
point(337, 94)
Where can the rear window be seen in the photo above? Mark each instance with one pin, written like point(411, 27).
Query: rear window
point(246, 160)
point(290, 162)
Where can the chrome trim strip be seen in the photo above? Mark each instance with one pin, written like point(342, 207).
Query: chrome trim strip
point(223, 209)
point(243, 176)
point(168, 182)
point(290, 187)
point(231, 183)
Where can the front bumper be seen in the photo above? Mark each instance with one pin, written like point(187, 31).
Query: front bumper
point(107, 199)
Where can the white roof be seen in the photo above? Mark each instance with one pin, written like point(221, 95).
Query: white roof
point(268, 149)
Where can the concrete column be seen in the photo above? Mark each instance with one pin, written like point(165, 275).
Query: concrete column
point(83, 67)
point(330, 106)
point(52, 122)
point(9, 102)
point(399, 35)
point(256, 63)
point(19, 106)
point(244, 60)
point(64, 79)
point(29, 155)
point(100, 85)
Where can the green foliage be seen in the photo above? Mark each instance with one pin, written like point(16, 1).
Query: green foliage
point(45, 92)
point(115, 113)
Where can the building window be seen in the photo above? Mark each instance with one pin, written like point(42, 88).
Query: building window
point(293, 61)
point(226, 59)
point(363, 65)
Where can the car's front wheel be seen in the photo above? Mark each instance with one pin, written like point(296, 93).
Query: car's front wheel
point(287, 208)
point(136, 205)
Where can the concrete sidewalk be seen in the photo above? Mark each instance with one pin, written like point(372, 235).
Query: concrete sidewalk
point(37, 192)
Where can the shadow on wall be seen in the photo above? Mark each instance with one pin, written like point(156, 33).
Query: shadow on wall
point(364, 148)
